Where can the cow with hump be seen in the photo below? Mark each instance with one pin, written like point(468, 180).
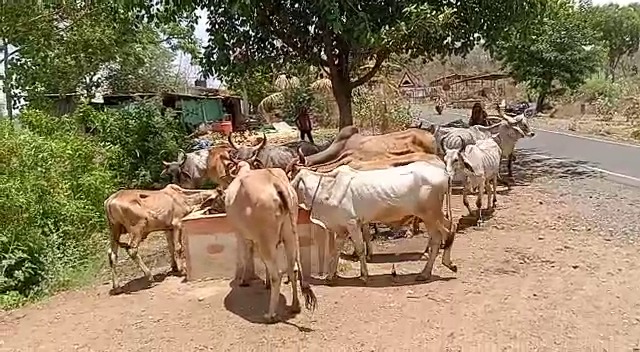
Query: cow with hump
point(262, 207)
point(343, 199)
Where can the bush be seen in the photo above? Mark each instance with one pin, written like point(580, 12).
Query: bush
point(52, 186)
point(54, 178)
point(380, 113)
point(139, 137)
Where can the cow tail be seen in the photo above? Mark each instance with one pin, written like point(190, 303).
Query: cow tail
point(310, 300)
point(450, 236)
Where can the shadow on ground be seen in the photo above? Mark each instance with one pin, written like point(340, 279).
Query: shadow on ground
point(529, 166)
point(251, 303)
point(141, 283)
point(379, 281)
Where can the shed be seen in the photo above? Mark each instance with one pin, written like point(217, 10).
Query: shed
point(192, 109)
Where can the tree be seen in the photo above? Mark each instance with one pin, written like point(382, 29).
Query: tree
point(558, 47)
point(151, 69)
point(63, 47)
point(618, 28)
point(340, 36)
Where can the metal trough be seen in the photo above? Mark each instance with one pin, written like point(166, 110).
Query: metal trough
point(210, 247)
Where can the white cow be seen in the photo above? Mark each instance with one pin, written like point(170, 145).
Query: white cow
point(343, 199)
point(479, 163)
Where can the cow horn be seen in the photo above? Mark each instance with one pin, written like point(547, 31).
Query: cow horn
point(303, 160)
point(181, 157)
point(165, 163)
point(262, 143)
point(233, 145)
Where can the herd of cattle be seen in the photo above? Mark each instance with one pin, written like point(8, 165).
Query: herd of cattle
point(395, 178)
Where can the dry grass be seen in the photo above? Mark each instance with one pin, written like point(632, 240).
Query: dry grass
point(570, 118)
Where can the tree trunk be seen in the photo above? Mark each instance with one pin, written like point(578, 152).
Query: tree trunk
point(540, 101)
point(342, 93)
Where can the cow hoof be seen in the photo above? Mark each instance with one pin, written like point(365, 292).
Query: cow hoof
point(295, 308)
point(422, 277)
point(271, 318)
point(116, 290)
point(244, 284)
point(453, 268)
point(364, 279)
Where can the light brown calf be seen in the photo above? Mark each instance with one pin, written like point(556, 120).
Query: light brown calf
point(263, 209)
point(140, 212)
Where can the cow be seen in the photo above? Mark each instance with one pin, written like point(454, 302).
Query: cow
point(140, 212)
point(349, 143)
point(386, 161)
point(218, 163)
point(189, 171)
point(343, 199)
point(479, 163)
point(270, 156)
point(510, 130)
point(263, 209)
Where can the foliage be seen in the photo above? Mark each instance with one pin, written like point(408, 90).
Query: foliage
point(52, 185)
point(300, 96)
point(381, 112)
point(139, 137)
point(64, 47)
point(151, 69)
point(618, 28)
point(595, 88)
point(557, 47)
point(341, 36)
point(54, 179)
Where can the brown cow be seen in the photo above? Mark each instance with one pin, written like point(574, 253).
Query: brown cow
point(140, 212)
point(263, 209)
point(218, 162)
point(350, 143)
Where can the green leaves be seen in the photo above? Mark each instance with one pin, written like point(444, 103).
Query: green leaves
point(66, 47)
point(617, 28)
point(559, 46)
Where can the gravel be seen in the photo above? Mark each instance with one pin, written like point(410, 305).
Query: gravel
point(602, 206)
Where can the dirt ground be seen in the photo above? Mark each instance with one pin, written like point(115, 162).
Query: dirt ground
point(532, 278)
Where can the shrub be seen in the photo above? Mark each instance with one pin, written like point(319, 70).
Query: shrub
point(52, 186)
point(54, 178)
point(380, 113)
point(139, 137)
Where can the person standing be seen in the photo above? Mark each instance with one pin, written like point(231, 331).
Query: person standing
point(478, 116)
point(303, 122)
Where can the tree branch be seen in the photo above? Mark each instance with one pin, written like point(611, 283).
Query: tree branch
point(380, 57)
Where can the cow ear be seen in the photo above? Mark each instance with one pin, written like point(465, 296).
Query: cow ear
point(257, 164)
point(165, 163)
point(186, 173)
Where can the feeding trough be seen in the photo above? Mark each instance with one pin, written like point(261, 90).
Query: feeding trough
point(210, 247)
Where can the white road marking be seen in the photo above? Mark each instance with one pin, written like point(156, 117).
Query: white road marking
point(572, 135)
point(597, 169)
point(589, 138)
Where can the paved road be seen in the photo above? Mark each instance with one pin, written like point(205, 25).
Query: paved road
point(618, 161)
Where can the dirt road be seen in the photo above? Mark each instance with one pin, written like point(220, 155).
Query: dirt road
point(536, 277)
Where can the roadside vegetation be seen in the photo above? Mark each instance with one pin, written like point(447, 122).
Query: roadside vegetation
point(342, 61)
